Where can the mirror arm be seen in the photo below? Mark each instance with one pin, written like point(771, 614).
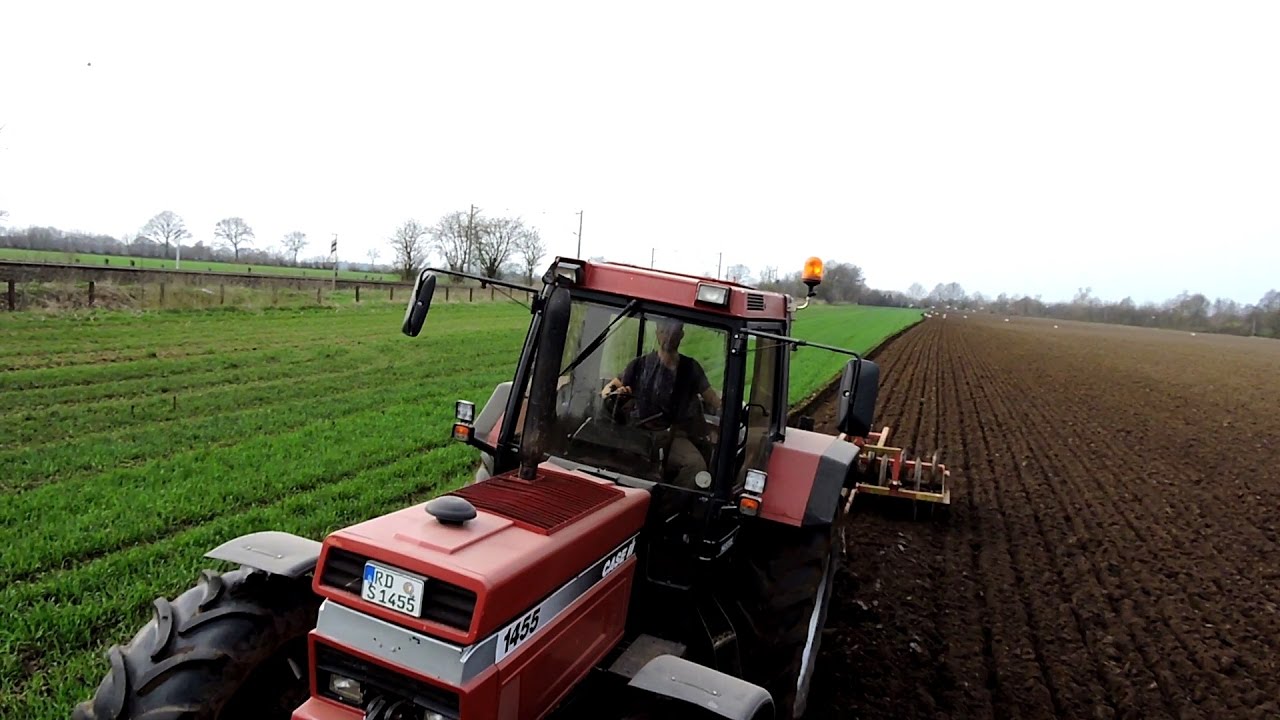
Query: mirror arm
point(485, 280)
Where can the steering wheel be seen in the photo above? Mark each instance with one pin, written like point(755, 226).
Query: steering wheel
point(618, 403)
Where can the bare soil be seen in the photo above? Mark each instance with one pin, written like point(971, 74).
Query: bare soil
point(1112, 548)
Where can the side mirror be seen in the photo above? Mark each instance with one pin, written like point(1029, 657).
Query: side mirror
point(859, 385)
point(419, 304)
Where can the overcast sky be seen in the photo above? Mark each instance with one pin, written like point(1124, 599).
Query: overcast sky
point(1023, 147)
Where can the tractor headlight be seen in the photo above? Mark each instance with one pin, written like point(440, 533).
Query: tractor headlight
point(713, 294)
point(568, 272)
point(464, 411)
point(347, 689)
point(755, 481)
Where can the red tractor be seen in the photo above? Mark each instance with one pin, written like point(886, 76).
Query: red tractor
point(624, 552)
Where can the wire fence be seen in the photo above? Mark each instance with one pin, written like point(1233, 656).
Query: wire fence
point(91, 294)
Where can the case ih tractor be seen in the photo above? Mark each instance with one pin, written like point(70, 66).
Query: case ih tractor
point(646, 536)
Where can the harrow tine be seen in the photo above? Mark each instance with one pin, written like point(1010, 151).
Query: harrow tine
point(937, 469)
point(919, 471)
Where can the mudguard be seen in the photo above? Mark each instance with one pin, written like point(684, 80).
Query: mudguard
point(805, 474)
point(271, 551)
point(724, 695)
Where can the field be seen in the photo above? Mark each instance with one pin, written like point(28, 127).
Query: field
point(1113, 547)
point(132, 443)
point(89, 259)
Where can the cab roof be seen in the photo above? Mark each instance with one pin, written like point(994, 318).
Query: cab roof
point(679, 289)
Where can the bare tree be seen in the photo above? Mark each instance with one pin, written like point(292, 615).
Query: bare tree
point(409, 249)
point(373, 256)
point(531, 249)
point(495, 241)
point(167, 227)
point(738, 274)
point(293, 244)
point(916, 291)
point(235, 232)
point(452, 238)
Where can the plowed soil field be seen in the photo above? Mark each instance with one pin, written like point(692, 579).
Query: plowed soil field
point(1112, 549)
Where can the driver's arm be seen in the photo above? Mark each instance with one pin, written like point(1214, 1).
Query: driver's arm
point(709, 396)
point(613, 385)
point(625, 382)
point(712, 400)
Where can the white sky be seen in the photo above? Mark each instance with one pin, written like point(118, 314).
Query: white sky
point(1024, 147)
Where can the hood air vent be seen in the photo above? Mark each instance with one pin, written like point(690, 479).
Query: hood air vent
point(545, 505)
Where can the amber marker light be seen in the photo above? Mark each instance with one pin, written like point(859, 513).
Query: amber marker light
point(812, 274)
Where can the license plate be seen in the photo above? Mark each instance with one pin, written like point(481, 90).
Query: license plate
point(393, 589)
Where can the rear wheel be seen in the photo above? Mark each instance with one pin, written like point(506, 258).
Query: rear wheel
point(784, 580)
point(234, 646)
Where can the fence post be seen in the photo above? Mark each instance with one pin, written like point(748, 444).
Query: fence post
point(446, 293)
point(91, 288)
point(13, 297)
point(391, 293)
point(357, 293)
point(161, 294)
point(275, 294)
point(471, 294)
point(222, 294)
point(491, 295)
point(317, 294)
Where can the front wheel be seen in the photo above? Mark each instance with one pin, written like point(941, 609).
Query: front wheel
point(783, 587)
point(234, 646)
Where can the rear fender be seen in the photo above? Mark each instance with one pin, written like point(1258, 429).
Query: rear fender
point(277, 553)
point(710, 689)
point(806, 472)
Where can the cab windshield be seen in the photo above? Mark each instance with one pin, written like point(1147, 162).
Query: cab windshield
point(640, 394)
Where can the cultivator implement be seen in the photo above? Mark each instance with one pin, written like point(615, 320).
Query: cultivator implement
point(885, 470)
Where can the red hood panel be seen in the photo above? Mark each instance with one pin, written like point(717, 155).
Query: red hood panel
point(508, 567)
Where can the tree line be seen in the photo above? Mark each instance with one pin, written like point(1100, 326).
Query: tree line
point(1186, 311)
point(468, 241)
point(164, 236)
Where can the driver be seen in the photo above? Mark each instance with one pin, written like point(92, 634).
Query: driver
point(665, 385)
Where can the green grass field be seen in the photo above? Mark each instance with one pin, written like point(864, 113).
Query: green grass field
point(51, 256)
point(130, 444)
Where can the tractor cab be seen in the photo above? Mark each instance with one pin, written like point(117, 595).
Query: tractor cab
point(652, 379)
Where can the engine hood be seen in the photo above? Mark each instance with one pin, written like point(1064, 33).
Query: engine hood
point(527, 539)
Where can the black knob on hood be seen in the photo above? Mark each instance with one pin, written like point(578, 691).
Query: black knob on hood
point(451, 510)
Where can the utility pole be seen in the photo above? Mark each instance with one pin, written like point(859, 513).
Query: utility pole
point(719, 259)
point(177, 263)
point(333, 250)
point(471, 241)
point(652, 251)
point(579, 255)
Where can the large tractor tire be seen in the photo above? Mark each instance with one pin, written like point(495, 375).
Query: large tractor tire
point(234, 646)
point(783, 588)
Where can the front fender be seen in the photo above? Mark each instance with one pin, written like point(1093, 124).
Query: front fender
point(708, 688)
point(271, 551)
point(806, 472)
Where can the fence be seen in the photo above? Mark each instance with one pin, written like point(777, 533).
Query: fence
point(143, 296)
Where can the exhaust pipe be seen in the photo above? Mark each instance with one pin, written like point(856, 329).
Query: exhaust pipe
point(542, 387)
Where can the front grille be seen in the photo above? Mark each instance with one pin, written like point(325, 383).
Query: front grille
point(342, 570)
point(548, 504)
point(376, 680)
point(755, 301)
point(444, 603)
